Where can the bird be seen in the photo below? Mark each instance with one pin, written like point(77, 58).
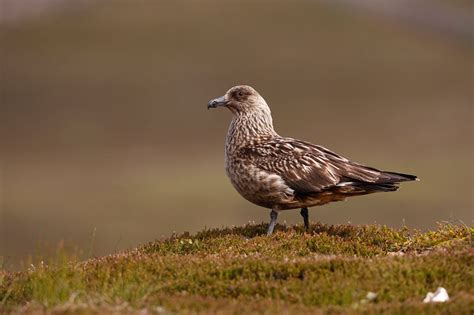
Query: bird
point(281, 173)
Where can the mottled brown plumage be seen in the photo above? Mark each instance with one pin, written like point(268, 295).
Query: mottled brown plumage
point(283, 173)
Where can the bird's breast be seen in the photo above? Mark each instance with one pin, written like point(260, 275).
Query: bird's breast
point(257, 185)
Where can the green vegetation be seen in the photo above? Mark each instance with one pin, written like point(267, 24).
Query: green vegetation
point(236, 270)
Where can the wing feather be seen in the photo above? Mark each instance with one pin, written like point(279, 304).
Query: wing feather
point(305, 167)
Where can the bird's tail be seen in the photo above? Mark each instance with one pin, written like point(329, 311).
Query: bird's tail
point(368, 188)
point(392, 177)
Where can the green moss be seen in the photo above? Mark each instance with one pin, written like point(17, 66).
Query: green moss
point(330, 269)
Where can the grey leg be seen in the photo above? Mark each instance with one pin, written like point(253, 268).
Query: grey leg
point(304, 214)
point(273, 221)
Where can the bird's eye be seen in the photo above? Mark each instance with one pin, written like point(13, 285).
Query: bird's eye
point(241, 93)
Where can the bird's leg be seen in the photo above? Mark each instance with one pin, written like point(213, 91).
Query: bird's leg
point(304, 214)
point(273, 221)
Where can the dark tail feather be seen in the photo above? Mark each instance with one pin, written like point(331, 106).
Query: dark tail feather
point(375, 187)
point(364, 188)
point(392, 177)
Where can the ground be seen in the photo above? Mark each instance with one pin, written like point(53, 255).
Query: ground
point(329, 269)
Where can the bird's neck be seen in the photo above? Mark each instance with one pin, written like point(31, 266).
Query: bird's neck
point(246, 128)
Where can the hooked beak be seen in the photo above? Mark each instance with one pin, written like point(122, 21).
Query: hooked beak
point(220, 101)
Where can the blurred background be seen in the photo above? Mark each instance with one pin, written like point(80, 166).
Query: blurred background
point(106, 142)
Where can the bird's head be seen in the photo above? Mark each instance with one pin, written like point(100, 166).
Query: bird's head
point(240, 99)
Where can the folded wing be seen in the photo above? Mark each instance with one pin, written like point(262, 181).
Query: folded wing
point(309, 168)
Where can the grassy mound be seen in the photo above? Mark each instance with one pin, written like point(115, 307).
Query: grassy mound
point(236, 270)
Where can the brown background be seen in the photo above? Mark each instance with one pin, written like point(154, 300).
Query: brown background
point(104, 123)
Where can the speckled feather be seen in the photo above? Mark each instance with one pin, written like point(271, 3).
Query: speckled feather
point(284, 173)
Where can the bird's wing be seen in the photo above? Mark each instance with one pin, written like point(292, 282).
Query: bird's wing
point(305, 167)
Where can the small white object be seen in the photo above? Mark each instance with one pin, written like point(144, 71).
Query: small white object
point(429, 297)
point(371, 296)
point(440, 295)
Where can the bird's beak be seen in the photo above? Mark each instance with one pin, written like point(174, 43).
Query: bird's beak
point(220, 101)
